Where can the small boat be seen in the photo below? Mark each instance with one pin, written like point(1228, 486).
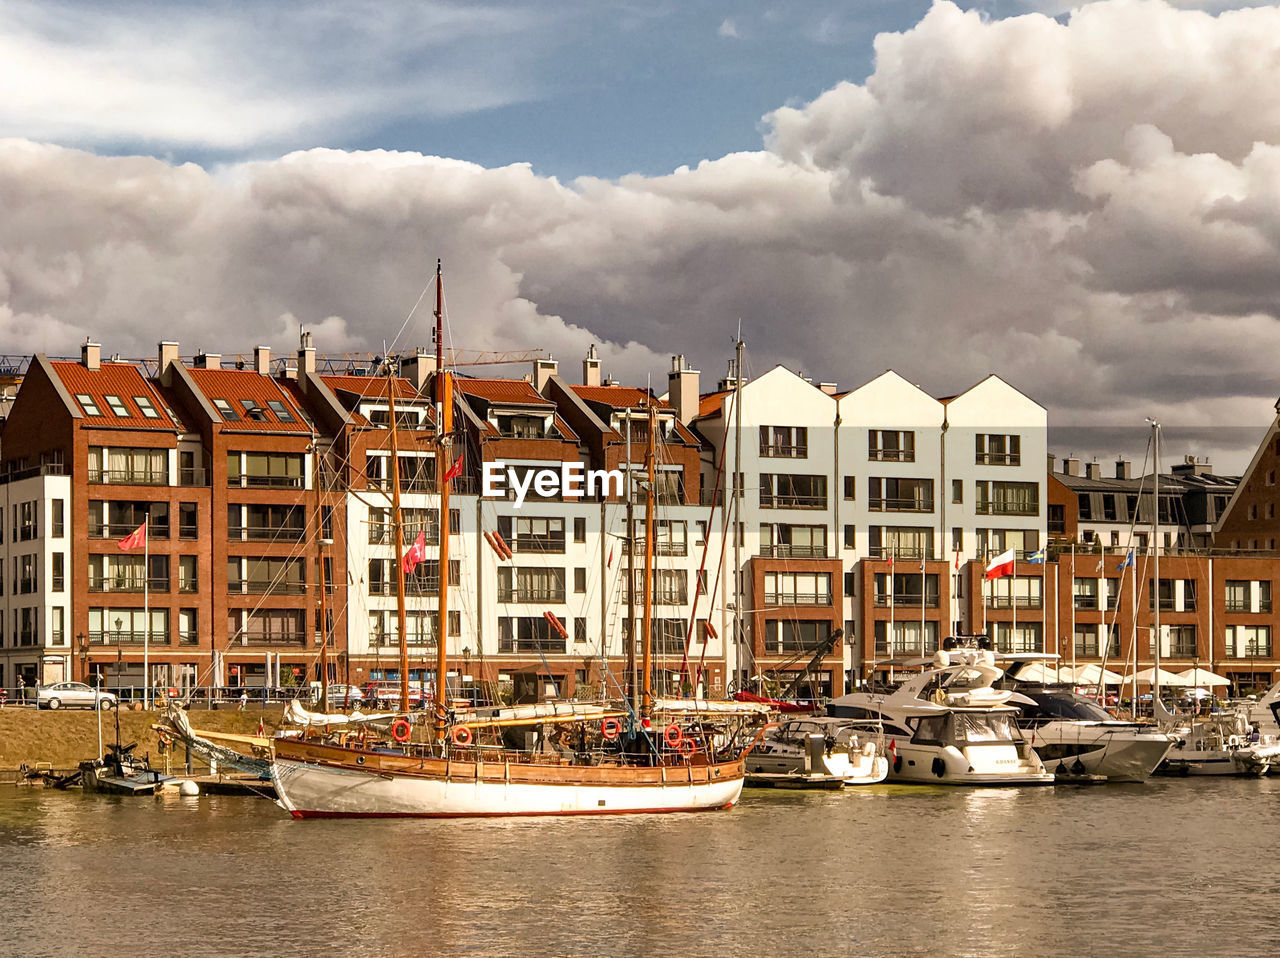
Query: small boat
point(818, 752)
point(1226, 744)
point(120, 772)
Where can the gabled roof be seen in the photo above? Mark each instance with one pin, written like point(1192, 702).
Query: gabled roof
point(712, 404)
point(514, 392)
point(121, 380)
point(235, 386)
point(620, 397)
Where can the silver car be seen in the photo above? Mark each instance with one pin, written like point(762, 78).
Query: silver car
point(74, 695)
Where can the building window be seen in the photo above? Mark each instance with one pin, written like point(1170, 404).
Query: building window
point(1007, 498)
point(850, 537)
point(957, 490)
point(797, 588)
point(1237, 595)
point(997, 450)
point(899, 495)
point(532, 533)
point(226, 410)
point(139, 467)
point(87, 404)
point(793, 541)
point(579, 580)
point(148, 410)
point(1248, 641)
point(57, 519)
point(784, 442)
point(59, 572)
point(850, 488)
point(891, 445)
point(1182, 641)
point(579, 629)
point(57, 625)
point(117, 406)
point(792, 491)
point(532, 584)
point(901, 542)
point(580, 529)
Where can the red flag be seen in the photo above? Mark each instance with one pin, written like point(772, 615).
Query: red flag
point(417, 552)
point(1001, 565)
point(609, 564)
point(455, 470)
point(136, 539)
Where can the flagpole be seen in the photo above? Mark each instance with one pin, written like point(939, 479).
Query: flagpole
point(893, 549)
point(1072, 576)
point(924, 645)
point(1013, 601)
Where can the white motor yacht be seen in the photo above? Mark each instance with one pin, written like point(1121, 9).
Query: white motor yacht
point(1224, 744)
point(1074, 735)
point(816, 752)
point(948, 726)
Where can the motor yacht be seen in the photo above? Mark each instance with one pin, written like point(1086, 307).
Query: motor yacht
point(948, 726)
point(1224, 744)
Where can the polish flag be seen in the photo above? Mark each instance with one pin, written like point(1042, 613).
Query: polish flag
point(137, 539)
point(1001, 565)
point(417, 552)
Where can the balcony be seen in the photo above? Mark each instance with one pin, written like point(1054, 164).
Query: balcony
point(906, 600)
point(273, 639)
point(792, 552)
point(1239, 605)
point(1004, 507)
point(801, 598)
point(794, 451)
point(264, 482)
point(193, 477)
point(531, 595)
point(159, 584)
point(266, 533)
point(662, 548)
point(129, 477)
point(550, 645)
point(106, 530)
point(891, 455)
point(412, 587)
point(127, 638)
point(792, 502)
point(899, 552)
point(544, 544)
point(900, 505)
point(391, 640)
point(998, 459)
point(1023, 602)
point(266, 587)
point(1087, 603)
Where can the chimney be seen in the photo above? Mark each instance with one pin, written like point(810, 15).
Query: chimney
point(168, 354)
point(1053, 460)
point(730, 381)
point(1071, 466)
point(1124, 469)
point(543, 370)
point(91, 355)
point(591, 368)
point(829, 388)
point(262, 360)
point(1092, 470)
point(418, 368)
point(208, 361)
point(306, 359)
point(682, 389)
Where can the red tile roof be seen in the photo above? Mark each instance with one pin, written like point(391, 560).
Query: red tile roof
point(236, 385)
point(514, 391)
point(371, 386)
point(123, 380)
point(711, 404)
point(620, 397)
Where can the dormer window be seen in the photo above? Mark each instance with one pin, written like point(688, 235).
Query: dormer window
point(224, 407)
point(281, 411)
point(117, 406)
point(147, 408)
point(87, 404)
point(522, 427)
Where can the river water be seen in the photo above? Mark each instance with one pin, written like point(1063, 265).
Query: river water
point(1173, 867)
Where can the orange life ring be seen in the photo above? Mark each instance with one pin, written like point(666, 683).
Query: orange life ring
point(610, 728)
point(401, 730)
point(461, 735)
point(673, 735)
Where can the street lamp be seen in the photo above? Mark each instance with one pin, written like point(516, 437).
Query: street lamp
point(82, 645)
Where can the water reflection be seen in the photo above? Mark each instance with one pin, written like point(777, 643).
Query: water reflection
point(887, 870)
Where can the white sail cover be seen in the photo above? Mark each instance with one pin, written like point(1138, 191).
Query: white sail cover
point(707, 705)
point(295, 714)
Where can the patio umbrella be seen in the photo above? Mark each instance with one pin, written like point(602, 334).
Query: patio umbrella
point(1045, 673)
point(1095, 675)
point(1149, 677)
point(1203, 677)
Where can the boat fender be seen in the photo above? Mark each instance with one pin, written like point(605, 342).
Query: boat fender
point(673, 735)
point(400, 731)
point(610, 729)
point(869, 749)
point(1234, 741)
point(461, 736)
point(939, 766)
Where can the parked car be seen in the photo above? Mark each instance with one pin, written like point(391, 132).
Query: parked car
point(387, 695)
point(343, 696)
point(74, 695)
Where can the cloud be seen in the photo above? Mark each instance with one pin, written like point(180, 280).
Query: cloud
point(1088, 207)
point(728, 29)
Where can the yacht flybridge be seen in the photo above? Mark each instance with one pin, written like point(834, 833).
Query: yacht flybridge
point(949, 726)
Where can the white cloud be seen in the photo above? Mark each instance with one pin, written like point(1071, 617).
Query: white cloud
point(1089, 208)
point(728, 29)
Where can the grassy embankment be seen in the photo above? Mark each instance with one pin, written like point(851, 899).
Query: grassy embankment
point(67, 737)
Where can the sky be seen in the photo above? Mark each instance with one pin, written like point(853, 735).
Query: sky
point(1084, 200)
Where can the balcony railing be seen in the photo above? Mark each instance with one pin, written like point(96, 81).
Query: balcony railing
point(1006, 602)
point(1003, 507)
point(899, 552)
point(106, 530)
point(387, 639)
point(275, 638)
point(798, 598)
point(415, 587)
point(245, 481)
point(998, 459)
point(112, 637)
point(537, 544)
point(792, 502)
point(551, 645)
point(193, 477)
point(266, 587)
point(1241, 605)
point(267, 533)
point(900, 505)
point(891, 455)
point(660, 549)
point(908, 600)
point(530, 595)
point(130, 477)
point(794, 451)
point(792, 552)
point(1086, 603)
point(660, 597)
point(126, 584)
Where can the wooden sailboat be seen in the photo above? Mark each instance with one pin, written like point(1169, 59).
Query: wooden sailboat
point(550, 758)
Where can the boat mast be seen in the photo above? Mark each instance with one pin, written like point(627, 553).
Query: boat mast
point(737, 509)
point(633, 684)
point(1155, 535)
point(397, 532)
point(444, 460)
point(646, 629)
point(320, 578)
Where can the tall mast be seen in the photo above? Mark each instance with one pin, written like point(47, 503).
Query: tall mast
point(320, 577)
point(397, 532)
point(633, 684)
point(646, 628)
point(444, 460)
point(1155, 535)
point(737, 508)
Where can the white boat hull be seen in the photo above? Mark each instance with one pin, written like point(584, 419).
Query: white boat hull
point(309, 790)
point(985, 765)
point(1119, 755)
point(1254, 761)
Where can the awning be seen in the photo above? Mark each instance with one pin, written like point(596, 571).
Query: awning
point(1153, 675)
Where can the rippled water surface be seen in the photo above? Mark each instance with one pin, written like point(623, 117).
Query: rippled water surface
point(1174, 867)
